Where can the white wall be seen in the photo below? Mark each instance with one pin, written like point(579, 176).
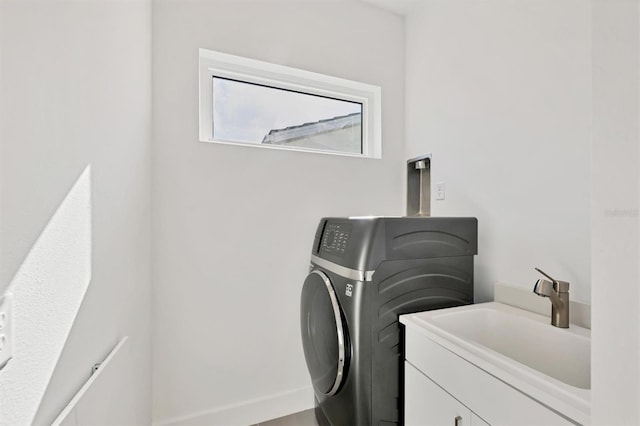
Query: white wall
point(76, 97)
point(615, 213)
point(499, 92)
point(233, 225)
point(522, 102)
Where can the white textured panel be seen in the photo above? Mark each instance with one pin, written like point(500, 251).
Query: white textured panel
point(76, 90)
point(52, 282)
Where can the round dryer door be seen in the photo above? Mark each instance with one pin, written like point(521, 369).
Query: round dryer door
point(324, 335)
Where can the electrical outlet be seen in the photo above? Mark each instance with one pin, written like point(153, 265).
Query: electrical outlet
point(6, 329)
point(440, 191)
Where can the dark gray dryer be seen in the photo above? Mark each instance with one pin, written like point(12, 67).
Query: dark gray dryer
point(364, 273)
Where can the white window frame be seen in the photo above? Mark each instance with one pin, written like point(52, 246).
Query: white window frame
point(218, 64)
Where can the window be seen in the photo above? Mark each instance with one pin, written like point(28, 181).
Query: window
point(254, 103)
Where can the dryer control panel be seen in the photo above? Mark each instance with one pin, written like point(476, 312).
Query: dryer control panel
point(362, 243)
point(335, 238)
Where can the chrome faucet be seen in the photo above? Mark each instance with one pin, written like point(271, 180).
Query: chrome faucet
point(558, 292)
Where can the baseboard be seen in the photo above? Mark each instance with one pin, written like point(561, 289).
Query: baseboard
point(248, 412)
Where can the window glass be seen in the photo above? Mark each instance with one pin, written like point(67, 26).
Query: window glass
point(258, 114)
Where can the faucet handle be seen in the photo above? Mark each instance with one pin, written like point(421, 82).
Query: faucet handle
point(560, 286)
point(546, 275)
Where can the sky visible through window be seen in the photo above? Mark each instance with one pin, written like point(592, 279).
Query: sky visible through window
point(246, 112)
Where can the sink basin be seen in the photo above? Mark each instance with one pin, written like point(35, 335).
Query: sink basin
point(549, 364)
point(560, 353)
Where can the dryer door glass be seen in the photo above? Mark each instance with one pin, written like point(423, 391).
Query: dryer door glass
point(324, 336)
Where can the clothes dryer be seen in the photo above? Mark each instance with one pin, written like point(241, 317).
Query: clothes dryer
point(365, 272)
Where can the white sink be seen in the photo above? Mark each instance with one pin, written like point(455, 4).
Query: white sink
point(560, 353)
point(521, 348)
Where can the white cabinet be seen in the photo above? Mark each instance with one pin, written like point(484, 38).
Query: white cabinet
point(441, 386)
point(426, 403)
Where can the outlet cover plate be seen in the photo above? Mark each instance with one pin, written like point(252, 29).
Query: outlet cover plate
point(440, 190)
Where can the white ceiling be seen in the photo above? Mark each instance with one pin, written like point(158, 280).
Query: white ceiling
point(401, 7)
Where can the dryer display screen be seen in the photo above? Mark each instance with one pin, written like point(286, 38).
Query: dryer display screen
point(335, 238)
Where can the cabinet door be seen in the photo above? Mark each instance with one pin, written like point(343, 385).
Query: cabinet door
point(427, 404)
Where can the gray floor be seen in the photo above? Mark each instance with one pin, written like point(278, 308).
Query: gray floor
point(303, 418)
